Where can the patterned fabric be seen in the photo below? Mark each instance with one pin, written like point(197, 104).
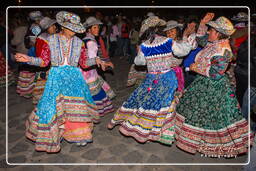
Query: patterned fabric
point(26, 77)
point(135, 76)
point(215, 127)
point(70, 20)
point(191, 57)
point(152, 21)
point(66, 81)
point(99, 88)
point(11, 77)
point(78, 131)
point(202, 63)
point(223, 25)
point(159, 55)
point(148, 114)
point(42, 73)
point(179, 74)
point(66, 99)
point(145, 115)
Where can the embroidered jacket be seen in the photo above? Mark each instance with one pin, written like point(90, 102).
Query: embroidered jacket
point(212, 61)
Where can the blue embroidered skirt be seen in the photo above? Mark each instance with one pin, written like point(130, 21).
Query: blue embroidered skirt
point(146, 113)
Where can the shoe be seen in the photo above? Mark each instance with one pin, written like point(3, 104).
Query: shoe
point(84, 144)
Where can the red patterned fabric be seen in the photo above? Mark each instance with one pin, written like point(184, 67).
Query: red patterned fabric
point(83, 58)
point(43, 51)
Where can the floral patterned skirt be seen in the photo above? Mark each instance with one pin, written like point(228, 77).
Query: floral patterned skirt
point(147, 114)
point(209, 119)
point(66, 110)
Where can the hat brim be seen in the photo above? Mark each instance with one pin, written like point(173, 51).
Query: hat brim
point(170, 27)
point(92, 24)
point(77, 28)
point(239, 18)
point(50, 24)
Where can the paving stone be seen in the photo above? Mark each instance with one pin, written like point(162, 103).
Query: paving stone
point(21, 127)
point(118, 168)
point(14, 122)
point(14, 137)
point(2, 131)
point(81, 168)
point(112, 159)
point(3, 164)
point(17, 159)
point(2, 150)
point(32, 168)
point(105, 140)
point(154, 159)
point(63, 158)
point(75, 148)
point(21, 146)
point(118, 149)
point(133, 157)
point(92, 154)
point(38, 153)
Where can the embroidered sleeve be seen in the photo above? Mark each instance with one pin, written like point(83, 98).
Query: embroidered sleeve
point(181, 48)
point(84, 61)
point(191, 40)
point(140, 58)
point(43, 56)
point(219, 65)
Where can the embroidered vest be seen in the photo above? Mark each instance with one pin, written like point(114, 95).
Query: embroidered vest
point(56, 48)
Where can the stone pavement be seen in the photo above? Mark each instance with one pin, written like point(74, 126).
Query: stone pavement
point(109, 146)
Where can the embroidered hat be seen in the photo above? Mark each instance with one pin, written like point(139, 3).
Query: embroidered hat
point(172, 24)
point(151, 22)
point(90, 21)
point(70, 21)
point(46, 22)
point(222, 25)
point(241, 16)
point(35, 15)
point(35, 29)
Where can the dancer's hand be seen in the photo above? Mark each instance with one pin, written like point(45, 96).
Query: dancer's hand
point(109, 64)
point(191, 28)
point(208, 17)
point(19, 57)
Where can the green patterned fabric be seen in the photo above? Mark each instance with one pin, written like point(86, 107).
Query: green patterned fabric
point(209, 104)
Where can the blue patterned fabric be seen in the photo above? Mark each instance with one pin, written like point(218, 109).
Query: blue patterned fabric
point(32, 51)
point(191, 57)
point(166, 47)
point(65, 80)
point(160, 95)
point(101, 95)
